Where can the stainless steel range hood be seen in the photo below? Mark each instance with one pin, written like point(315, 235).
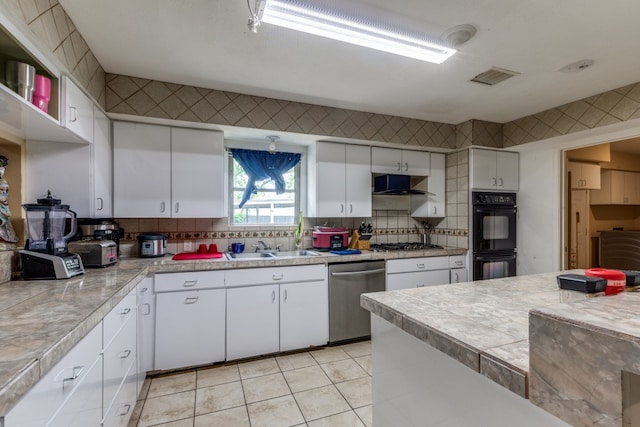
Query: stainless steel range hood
point(392, 185)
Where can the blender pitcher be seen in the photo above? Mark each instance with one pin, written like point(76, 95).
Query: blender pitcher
point(46, 222)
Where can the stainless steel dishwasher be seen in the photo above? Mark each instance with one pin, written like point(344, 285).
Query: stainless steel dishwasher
point(347, 320)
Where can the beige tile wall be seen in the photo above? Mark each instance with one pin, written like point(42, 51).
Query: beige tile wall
point(56, 33)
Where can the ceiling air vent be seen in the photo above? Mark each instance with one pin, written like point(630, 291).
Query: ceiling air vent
point(493, 76)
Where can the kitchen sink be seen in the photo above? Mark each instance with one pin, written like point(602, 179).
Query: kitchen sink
point(294, 254)
point(249, 255)
point(270, 255)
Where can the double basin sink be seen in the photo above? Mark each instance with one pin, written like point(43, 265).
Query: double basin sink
point(270, 255)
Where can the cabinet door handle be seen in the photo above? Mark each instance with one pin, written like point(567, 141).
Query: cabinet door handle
point(125, 410)
point(421, 266)
point(399, 166)
point(285, 295)
point(144, 290)
point(460, 263)
point(162, 207)
point(147, 310)
point(350, 207)
point(177, 207)
point(341, 207)
point(278, 276)
point(101, 204)
point(125, 354)
point(406, 167)
point(73, 114)
point(501, 182)
point(77, 371)
point(189, 283)
point(191, 300)
point(495, 182)
point(457, 279)
point(125, 312)
point(420, 286)
point(273, 296)
point(435, 210)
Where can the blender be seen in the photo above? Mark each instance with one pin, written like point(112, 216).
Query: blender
point(45, 254)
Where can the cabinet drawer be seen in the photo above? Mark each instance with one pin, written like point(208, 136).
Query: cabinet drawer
point(417, 264)
point(44, 399)
point(125, 400)
point(117, 317)
point(457, 261)
point(188, 281)
point(417, 279)
point(269, 275)
point(118, 358)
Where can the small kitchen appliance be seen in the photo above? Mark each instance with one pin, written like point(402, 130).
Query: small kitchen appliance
point(330, 238)
point(100, 229)
point(95, 253)
point(152, 245)
point(45, 254)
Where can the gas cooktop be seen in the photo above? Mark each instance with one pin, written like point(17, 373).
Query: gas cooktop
point(406, 246)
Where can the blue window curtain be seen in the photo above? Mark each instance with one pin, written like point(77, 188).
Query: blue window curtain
point(261, 165)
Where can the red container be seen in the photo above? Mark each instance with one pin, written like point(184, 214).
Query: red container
point(42, 93)
point(330, 238)
point(616, 280)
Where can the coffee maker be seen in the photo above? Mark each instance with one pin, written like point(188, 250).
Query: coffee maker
point(45, 254)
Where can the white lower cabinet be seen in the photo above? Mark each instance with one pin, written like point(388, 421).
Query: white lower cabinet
point(420, 272)
point(459, 275)
point(146, 304)
point(276, 309)
point(190, 328)
point(118, 414)
point(64, 387)
point(252, 321)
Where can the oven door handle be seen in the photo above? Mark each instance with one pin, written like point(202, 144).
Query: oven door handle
point(495, 258)
point(358, 273)
point(513, 209)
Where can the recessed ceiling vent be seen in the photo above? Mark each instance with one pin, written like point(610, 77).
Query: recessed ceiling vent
point(494, 76)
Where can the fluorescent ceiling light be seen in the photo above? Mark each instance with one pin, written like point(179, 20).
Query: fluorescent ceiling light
point(298, 15)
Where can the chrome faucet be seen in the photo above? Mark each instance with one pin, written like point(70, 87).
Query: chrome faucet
point(265, 246)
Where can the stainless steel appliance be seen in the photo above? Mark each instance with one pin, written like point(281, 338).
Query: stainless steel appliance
point(45, 254)
point(494, 235)
point(100, 229)
point(347, 281)
point(95, 253)
point(152, 245)
point(403, 246)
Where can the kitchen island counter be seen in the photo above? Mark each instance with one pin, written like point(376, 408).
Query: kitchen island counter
point(41, 320)
point(523, 333)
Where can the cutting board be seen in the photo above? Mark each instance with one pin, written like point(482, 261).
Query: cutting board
point(196, 255)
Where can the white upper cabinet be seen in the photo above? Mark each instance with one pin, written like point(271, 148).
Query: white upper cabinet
point(76, 110)
point(494, 170)
point(339, 181)
point(432, 204)
point(197, 183)
point(142, 170)
point(399, 162)
point(102, 160)
point(584, 176)
point(163, 172)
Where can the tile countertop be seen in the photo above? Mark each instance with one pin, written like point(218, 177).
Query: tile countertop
point(41, 320)
point(486, 325)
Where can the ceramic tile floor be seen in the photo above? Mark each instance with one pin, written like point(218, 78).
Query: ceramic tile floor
point(327, 387)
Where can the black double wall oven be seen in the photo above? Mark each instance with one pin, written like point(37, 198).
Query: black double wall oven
point(494, 235)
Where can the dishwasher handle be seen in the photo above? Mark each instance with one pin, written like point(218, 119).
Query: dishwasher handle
point(358, 273)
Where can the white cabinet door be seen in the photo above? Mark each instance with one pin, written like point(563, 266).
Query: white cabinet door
point(432, 204)
point(146, 329)
point(483, 169)
point(102, 161)
point(358, 181)
point(330, 180)
point(417, 279)
point(304, 315)
point(459, 275)
point(386, 160)
point(77, 110)
point(416, 163)
point(72, 181)
point(119, 413)
point(142, 170)
point(190, 320)
point(507, 170)
point(197, 173)
point(84, 406)
point(252, 321)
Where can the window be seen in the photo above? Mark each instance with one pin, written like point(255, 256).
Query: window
point(265, 207)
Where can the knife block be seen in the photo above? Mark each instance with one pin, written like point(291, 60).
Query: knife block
point(360, 241)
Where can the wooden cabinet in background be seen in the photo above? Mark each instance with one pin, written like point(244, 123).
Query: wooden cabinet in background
point(617, 188)
point(584, 176)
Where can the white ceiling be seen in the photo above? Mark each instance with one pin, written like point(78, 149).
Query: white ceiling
point(207, 43)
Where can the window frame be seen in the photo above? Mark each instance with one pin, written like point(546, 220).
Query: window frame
point(299, 177)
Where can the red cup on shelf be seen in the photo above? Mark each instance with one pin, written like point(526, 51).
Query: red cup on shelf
point(42, 93)
point(202, 249)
